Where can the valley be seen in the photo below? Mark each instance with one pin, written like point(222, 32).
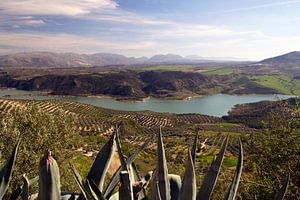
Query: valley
point(93, 125)
point(166, 81)
point(61, 108)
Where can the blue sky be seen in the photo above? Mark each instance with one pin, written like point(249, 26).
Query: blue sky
point(244, 29)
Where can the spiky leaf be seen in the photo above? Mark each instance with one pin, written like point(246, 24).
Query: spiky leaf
point(19, 190)
point(282, 191)
point(188, 187)
point(69, 196)
point(138, 192)
point(125, 190)
point(7, 170)
point(49, 179)
point(161, 174)
point(95, 190)
point(25, 188)
point(124, 165)
point(158, 197)
point(116, 177)
point(237, 175)
point(84, 186)
point(211, 176)
point(194, 147)
point(101, 163)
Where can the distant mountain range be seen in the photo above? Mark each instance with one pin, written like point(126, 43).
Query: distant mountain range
point(65, 60)
point(62, 60)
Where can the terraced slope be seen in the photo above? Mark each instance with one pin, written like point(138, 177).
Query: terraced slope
point(95, 119)
point(178, 132)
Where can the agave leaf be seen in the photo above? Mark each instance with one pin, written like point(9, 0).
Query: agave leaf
point(283, 190)
point(139, 150)
point(116, 177)
point(16, 193)
point(139, 193)
point(19, 190)
point(125, 190)
point(211, 176)
point(135, 175)
point(188, 188)
point(175, 185)
point(194, 147)
point(96, 190)
point(101, 163)
point(161, 174)
point(69, 196)
point(115, 196)
point(147, 178)
point(25, 188)
point(158, 197)
point(237, 175)
point(82, 185)
point(49, 178)
point(7, 170)
point(124, 166)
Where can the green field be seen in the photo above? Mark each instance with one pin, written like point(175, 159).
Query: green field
point(187, 68)
point(221, 71)
point(282, 83)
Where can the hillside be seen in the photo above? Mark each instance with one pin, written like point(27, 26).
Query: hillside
point(284, 64)
point(292, 58)
point(256, 115)
point(135, 85)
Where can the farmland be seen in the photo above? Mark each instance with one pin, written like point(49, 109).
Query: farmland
point(282, 83)
point(93, 125)
point(221, 71)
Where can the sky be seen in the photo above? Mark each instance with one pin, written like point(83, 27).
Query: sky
point(240, 29)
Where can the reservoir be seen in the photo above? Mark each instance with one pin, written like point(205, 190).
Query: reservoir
point(215, 105)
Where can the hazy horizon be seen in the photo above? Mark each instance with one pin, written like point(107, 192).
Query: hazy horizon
point(248, 30)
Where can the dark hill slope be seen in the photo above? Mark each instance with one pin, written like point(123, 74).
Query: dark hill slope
point(124, 84)
point(134, 85)
point(171, 80)
point(127, 84)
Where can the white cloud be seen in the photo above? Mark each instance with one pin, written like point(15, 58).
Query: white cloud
point(21, 21)
point(54, 7)
point(260, 6)
point(100, 10)
point(35, 41)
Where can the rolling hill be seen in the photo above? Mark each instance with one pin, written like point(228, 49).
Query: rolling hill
point(66, 60)
point(286, 59)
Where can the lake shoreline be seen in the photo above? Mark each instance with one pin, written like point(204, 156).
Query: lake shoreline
point(214, 105)
point(134, 99)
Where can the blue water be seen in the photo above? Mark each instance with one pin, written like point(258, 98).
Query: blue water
point(215, 105)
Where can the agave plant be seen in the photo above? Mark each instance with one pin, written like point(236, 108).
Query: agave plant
point(7, 170)
point(132, 186)
point(163, 189)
